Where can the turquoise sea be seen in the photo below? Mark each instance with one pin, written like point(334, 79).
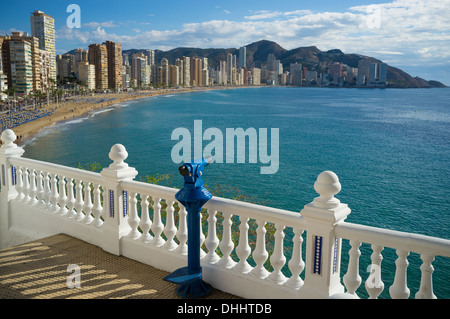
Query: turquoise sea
point(389, 147)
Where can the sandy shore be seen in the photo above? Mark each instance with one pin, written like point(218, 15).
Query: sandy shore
point(82, 105)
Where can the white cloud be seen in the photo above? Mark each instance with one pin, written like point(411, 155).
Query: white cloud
point(402, 31)
point(106, 24)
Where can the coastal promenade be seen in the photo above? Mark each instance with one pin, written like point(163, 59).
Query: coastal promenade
point(27, 123)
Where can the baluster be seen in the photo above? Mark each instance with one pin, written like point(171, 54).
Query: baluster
point(146, 222)
point(212, 242)
point(70, 199)
point(296, 264)
point(226, 245)
point(374, 285)
point(352, 279)
point(46, 191)
point(260, 253)
point(182, 231)
point(33, 193)
point(202, 237)
point(26, 185)
point(87, 207)
point(133, 218)
point(399, 289)
point(243, 250)
point(278, 259)
point(426, 282)
point(79, 200)
point(62, 196)
point(97, 208)
point(54, 192)
point(19, 184)
point(157, 225)
point(170, 230)
point(40, 188)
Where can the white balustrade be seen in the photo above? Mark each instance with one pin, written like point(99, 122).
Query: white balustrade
point(108, 205)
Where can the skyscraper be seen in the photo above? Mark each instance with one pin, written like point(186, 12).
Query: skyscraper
point(98, 56)
point(382, 77)
point(165, 71)
point(21, 66)
point(296, 71)
point(114, 52)
point(242, 57)
point(43, 28)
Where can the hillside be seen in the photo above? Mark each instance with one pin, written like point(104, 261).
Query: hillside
point(310, 57)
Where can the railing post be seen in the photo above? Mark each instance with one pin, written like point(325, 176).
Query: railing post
point(323, 248)
point(8, 176)
point(115, 200)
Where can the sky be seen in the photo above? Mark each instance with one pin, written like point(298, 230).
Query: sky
point(413, 35)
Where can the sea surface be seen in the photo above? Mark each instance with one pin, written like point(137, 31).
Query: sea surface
point(389, 147)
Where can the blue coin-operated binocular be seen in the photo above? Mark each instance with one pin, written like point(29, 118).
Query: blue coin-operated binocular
point(193, 196)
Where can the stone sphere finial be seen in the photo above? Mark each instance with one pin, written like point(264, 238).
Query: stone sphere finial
point(327, 185)
point(8, 137)
point(118, 154)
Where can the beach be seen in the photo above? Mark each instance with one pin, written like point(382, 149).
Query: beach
point(80, 106)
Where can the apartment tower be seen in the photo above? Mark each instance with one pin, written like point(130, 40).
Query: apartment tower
point(43, 28)
point(98, 56)
point(114, 51)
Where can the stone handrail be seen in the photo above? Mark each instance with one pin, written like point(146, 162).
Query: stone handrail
point(141, 221)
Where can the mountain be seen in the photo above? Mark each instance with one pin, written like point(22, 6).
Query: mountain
point(310, 57)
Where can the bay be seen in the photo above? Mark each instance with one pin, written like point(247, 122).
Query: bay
point(389, 147)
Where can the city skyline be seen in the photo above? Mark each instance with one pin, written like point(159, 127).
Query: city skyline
point(372, 28)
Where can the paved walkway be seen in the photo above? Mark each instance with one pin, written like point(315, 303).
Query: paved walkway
point(38, 270)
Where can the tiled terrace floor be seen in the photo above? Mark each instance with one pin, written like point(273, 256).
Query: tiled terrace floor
point(38, 270)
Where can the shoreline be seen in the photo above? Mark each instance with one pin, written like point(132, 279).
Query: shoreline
point(74, 109)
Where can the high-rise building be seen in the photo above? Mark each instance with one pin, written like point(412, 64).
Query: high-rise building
point(21, 66)
point(256, 76)
point(139, 70)
point(86, 73)
point(186, 70)
point(80, 56)
point(179, 63)
point(242, 57)
point(43, 28)
point(114, 52)
point(382, 77)
point(45, 66)
point(150, 54)
point(3, 77)
point(373, 70)
point(196, 72)
point(98, 56)
point(231, 69)
point(363, 69)
point(165, 72)
point(296, 72)
point(174, 76)
point(222, 74)
point(65, 65)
